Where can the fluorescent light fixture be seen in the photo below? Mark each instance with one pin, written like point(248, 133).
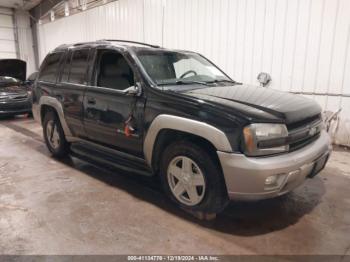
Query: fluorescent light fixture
point(66, 8)
point(52, 15)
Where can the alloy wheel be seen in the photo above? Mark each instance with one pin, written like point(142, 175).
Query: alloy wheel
point(186, 180)
point(52, 134)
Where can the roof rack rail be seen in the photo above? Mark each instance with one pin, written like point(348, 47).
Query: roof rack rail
point(62, 46)
point(132, 42)
point(74, 45)
point(83, 43)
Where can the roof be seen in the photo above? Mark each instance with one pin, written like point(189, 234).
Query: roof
point(119, 43)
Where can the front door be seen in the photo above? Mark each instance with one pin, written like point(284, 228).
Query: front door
point(108, 111)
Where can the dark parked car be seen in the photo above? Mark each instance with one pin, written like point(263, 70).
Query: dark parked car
point(15, 98)
point(174, 114)
point(30, 81)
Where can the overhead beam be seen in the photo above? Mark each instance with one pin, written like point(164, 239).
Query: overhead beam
point(43, 8)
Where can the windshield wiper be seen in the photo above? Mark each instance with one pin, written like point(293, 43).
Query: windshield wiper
point(181, 82)
point(222, 81)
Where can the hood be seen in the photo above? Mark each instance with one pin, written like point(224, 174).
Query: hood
point(13, 68)
point(260, 103)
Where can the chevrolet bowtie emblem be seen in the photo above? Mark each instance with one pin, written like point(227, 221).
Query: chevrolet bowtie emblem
point(312, 131)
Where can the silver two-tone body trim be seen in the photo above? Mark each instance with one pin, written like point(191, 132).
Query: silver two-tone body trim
point(204, 130)
point(53, 102)
point(245, 176)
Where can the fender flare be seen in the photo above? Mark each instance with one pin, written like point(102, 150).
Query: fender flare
point(53, 102)
point(202, 129)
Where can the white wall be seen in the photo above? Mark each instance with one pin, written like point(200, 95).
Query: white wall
point(121, 19)
point(25, 40)
point(303, 44)
point(24, 35)
point(7, 36)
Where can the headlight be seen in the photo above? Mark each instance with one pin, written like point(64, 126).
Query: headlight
point(265, 139)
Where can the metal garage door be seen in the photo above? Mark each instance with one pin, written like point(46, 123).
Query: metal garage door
point(7, 35)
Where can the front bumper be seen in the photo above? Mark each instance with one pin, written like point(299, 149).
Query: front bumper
point(245, 176)
point(15, 107)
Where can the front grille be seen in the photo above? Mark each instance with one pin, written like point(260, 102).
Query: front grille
point(304, 142)
point(14, 97)
point(18, 97)
point(304, 132)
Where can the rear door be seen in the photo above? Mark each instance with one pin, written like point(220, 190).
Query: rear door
point(71, 88)
point(107, 108)
point(48, 75)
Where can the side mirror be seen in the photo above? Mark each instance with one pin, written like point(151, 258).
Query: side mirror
point(134, 90)
point(264, 79)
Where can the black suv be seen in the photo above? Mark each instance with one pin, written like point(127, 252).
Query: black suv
point(174, 114)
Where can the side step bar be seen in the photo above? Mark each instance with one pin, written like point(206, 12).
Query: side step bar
point(91, 152)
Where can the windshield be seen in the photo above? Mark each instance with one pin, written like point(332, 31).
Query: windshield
point(174, 68)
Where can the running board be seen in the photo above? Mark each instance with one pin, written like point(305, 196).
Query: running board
point(105, 156)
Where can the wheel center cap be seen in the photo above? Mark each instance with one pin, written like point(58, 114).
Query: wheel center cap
point(186, 178)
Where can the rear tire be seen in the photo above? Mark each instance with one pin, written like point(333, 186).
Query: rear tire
point(192, 178)
point(54, 136)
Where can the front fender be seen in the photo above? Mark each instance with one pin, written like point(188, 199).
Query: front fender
point(204, 130)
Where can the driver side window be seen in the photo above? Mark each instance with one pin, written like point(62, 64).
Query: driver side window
point(113, 71)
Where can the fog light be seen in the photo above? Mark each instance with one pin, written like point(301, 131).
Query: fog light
point(271, 180)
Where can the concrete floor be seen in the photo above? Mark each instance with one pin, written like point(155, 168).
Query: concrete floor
point(72, 207)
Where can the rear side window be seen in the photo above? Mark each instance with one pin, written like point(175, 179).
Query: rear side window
point(66, 63)
point(78, 66)
point(50, 68)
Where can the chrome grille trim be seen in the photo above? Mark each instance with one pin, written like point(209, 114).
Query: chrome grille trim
point(18, 97)
point(302, 136)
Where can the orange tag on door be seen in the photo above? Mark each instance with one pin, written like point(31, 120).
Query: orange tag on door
point(127, 130)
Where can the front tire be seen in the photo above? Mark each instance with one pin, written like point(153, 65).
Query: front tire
point(54, 136)
point(192, 178)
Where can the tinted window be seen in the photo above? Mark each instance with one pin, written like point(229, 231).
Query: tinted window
point(65, 73)
point(50, 68)
point(114, 71)
point(78, 67)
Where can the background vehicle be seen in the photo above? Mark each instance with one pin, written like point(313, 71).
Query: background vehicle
point(174, 114)
point(15, 98)
point(30, 81)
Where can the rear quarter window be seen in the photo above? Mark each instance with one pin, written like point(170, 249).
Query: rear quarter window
point(50, 68)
